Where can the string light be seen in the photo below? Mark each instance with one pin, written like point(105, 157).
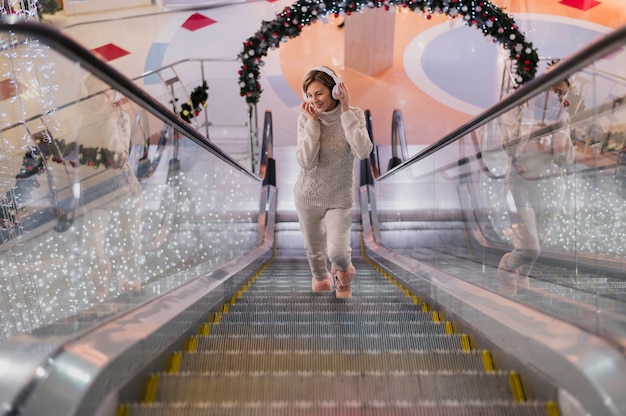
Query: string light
point(50, 275)
point(483, 15)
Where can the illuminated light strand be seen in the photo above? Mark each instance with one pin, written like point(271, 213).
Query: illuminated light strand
point(496, 25)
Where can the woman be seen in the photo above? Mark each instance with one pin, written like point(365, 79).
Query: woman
point(112, 226)
point(534, 179)
point(331, 134)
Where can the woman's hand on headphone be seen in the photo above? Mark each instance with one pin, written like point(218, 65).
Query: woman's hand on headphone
point(344, 97)
point(309, 110)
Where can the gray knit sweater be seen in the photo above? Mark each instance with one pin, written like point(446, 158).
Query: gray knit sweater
point(326, 151)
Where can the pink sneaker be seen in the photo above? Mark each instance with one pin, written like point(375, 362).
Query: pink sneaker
point(324, 285)
point(342, 282)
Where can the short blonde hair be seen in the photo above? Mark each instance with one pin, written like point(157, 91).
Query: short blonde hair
point(320, 76)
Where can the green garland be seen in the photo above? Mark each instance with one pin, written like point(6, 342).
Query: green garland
point(197, 101)
point(47, 7)
point(483, 15)
point(60, 151)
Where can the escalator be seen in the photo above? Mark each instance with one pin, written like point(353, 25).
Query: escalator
point(225, 322)
point(277, 348)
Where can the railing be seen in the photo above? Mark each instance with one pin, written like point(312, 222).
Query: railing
point(398, 139)
point(515, 214)
point(73, 211)
point(225, 118)
point(86, 241)
point(572, 201)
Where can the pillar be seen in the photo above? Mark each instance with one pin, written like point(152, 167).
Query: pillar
point(369, 38)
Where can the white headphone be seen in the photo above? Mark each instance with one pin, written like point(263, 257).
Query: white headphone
point(335, 89)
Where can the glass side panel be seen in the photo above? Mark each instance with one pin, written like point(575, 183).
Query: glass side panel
point(530, 204)
point(102, 205)
point(206, 93)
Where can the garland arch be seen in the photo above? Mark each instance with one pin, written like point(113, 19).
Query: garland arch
point(288, 24)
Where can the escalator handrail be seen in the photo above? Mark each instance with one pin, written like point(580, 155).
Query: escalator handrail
point(31, 352)
point(267, 151)
point(398, 136)
point(566, 68)
point(109, 75)
point(372, 160)
point(548, 129)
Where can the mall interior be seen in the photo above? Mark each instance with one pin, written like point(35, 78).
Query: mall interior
point(152, 261)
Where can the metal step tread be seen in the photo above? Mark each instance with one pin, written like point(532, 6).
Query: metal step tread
point(268, 304)
point(308, 408)
point(304, 301)
point(337, 387)
point(366, 293)
point(276, 361)
point(335, 315)
point(279, 349)
point(355, 342)
point(327, 328)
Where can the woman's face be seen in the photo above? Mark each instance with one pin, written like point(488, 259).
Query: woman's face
point(319, 95)
point(561, 89)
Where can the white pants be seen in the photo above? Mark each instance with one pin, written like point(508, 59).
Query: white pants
point(326, 231)
point(536, 204)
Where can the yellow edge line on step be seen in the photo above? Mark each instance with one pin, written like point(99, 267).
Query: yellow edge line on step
point(516, 387)
point(553, 409)
point(175, 361)
point(151, 389)
point(487, 361)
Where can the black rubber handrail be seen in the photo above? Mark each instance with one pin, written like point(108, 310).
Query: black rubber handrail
point(267, 168)
point(398, 138)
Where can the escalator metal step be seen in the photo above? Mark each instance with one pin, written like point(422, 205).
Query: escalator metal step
point(334, 387)
point(279, 349)
point(327, 328)
point(306, 302)
point(297, 295)
point(276, 361)
point(332, 409)
point(337, 316)
point(269, 304)
point(391, 342)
